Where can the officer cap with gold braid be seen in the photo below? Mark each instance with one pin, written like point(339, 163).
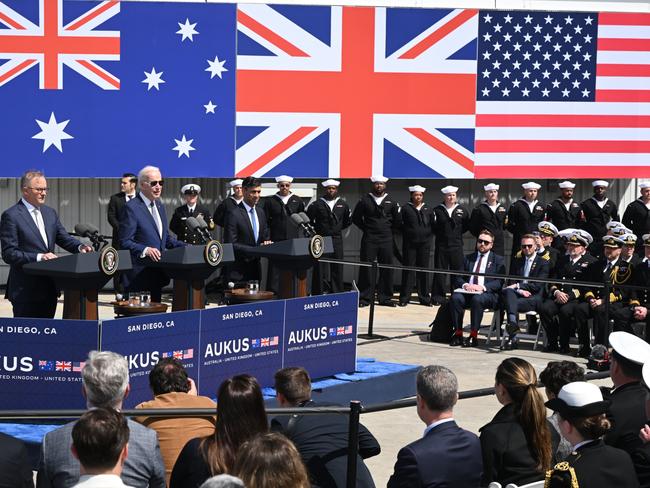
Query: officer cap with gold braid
point(547, 228)
point(646, 239)
point(612, 241)
point(628, 239)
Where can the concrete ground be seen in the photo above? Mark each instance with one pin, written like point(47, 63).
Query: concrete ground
point(406, 328)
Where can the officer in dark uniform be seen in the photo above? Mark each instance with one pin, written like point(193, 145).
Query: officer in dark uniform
point(544, 238)
point(418, 222)
point(191, 208)
point(330, 215)
point(597, 211)
point(558, 309)
point(627, 252)
point(637, 216)
point(490, 215)
point(452, 221)
point(234, 199)
point(642, 278)
point(377, 215)
point(278, 209)
point(564, 212)
point(524, 215)
point(610, 268)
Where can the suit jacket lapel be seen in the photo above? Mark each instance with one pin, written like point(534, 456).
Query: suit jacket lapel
point(163, 221)
point(146, 210)
point(247, 219)
point(27, 217)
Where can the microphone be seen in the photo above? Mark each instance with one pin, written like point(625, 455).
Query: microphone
point(91, 232)
point(307, 221)
point(297, 219)
point(195, 228)
point(203, 226)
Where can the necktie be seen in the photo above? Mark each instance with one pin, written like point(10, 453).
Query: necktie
point(608, 268)
point(156, 218)
point(129, 197)
point(191, 211)
point(474, 280)
point(40, 224)
point(254, 223)
point(527, 267)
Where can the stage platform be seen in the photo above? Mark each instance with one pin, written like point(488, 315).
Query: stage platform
point(372, 382)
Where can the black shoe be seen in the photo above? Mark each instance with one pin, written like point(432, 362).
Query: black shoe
point(512, 328)
point(456, 340)
point(426, 303)
point(403, 304)
point(511, 344)
point(471, 341)
point(363, 304)
point(388, 303)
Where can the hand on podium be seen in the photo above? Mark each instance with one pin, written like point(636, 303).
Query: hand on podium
point(152, 253)
point(85, 248)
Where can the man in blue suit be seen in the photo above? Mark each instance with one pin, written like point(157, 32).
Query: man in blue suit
point(478, 292)
point(446, 455)
point(144, 232)
point(28, 233)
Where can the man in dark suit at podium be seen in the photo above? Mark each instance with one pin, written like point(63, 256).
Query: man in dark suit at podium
point(245, 227)
point(144, 232)
point(28, 233)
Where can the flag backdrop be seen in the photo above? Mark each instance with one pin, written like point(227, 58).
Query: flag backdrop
point(91, 88)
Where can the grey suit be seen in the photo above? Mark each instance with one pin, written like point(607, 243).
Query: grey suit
point(57, 468)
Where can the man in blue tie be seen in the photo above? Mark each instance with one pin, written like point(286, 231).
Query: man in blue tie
point(246, 227)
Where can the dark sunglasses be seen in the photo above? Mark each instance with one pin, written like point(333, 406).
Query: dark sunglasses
point(481, 241)
point(527, 245)
point(156, 183)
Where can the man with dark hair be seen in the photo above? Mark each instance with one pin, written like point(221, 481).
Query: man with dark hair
point(322, 440)
point(637, 216)
point(246, 227)
point(128, 184)
point(524, 215)
point(446, 455)
point(172, 388)
point(99, 442)
point(597, 211)
point(490, 215)
point(564, 212)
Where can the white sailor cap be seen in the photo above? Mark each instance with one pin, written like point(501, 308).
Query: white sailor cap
point(566, 184)
point(566, 233)
point(586, 235)
point(417, 188)
point(449, 189)
point(600, 183)
point(531, 185)
point(547, 228)
point(491, 186)
point(644, 185)
point(578, 399)
point(283, 178)
point(628, 239)
point(630, 346)
point(190, 188)
point(613, 224)
point(327, 183)
point(620, 231)
point(378, 179)
point(234, 183)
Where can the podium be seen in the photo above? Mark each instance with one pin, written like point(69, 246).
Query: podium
point(189, 267)
point(293, 257)
point(80, 276)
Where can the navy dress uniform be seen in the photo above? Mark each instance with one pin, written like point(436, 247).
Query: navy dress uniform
point(418, 223)
point(629, 245)
point(490, 215)
point(564, 212)
point(546, 234)
point(330, 215)
point(524, 215)
point(233, 200)
point(637, 216)
point(642, 278)
point(452, 221)
point(597, 211)
point(377, 215)
point(192, 208)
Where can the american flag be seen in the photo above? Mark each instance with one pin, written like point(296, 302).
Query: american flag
point(63, 366)
point(188, 353)
point(348, 329)
point(78, 366)
point(355, 91)
point(274, 340)
point(45, 365)
point(563, 95)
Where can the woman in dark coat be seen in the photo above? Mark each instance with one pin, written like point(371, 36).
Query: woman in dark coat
point(518, 444)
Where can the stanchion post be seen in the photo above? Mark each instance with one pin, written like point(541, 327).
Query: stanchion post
point(608, 325)
point(374, 270)
point(353, 444)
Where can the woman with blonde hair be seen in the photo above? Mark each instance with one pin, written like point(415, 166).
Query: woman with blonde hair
point(271, 461)
point(518, 444)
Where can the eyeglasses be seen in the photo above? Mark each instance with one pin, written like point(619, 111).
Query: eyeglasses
point(524, 246)
point(156, 183)
point(481, 241)
point(39, 190)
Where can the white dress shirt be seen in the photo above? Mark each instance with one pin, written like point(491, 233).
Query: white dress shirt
point(100, 481)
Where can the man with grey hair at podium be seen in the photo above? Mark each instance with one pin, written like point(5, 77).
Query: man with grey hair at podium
point(29, 230)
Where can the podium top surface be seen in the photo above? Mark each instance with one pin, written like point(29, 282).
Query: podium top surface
point(290, 249)
point(191, 256)
point(76, 265)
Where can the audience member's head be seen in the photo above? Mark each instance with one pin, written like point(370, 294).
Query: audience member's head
point(271, 461)
point(99, 441)
point(169, 376)
point(223, 481)
point(559, 373)
point(516, 383)
point(240, 416)
point(105, 378)
point(437, 393)
point(292, 386)
point(629, 353)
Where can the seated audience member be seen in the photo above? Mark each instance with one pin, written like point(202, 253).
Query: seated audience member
point(581, 414)
point(15, 468)
point(479, 292)
point(322, 440)
point(173, 389)
point(446, 455)
point(105, 383)
point(524, 295)
point(99, 442)
point(519, 443)
point(641, 456)
point(223, 481)
point(642, 278)
point(240, 416)
point(555, 376)
point(271, 461)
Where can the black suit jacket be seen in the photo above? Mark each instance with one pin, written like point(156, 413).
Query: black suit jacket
point(446, 456)
point(222, 210)
point(15, 469)
point(495, 265)
point(627, 414)
point(115, 206)
point(239, 231)
point(600, 466)
point(566, 270)
point(322, 441)
point(539, 269)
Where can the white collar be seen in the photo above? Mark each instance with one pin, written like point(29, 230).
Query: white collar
point(29, 206)
point(147, 202)
point(437, 423)
point(246, 206)
point(580, 444)
point(237, 201)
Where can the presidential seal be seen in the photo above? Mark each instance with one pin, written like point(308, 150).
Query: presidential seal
point(317, 246)
point(108, 260)
point(213, 253)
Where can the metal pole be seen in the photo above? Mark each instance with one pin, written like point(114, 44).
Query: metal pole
point(374, 269)
point(353, 444)
point(608, 326)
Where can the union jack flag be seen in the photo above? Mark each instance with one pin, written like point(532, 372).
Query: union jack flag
point(63, 366)
point(352, 91)
point(340, 331)
point(44, 365)
point(265, 342)
point(178, 354)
